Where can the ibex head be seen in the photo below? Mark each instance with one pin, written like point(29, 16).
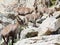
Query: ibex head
point(20, 19)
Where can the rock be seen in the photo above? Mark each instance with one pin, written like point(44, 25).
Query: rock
point(7, 2)
point(32, 31)
point(44, 16)
point(42, 40)
point(44, 31)
point(56, 14)
point(48, 26)
point(7, 6)
point(4, 20)
point(30, 3)
point(32, 34)
point(51, 22)
point(27, 3)
point(57, 2)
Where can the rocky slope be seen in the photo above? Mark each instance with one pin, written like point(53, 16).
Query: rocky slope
point(40, 19)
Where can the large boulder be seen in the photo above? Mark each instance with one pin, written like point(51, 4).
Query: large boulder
point(42, 40)
point(56, 14)
point(29, 32)
point(51, 22)
point(49, 25)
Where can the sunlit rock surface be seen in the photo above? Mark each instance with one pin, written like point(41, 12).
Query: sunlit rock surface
point(7, 5)
point(49, 25)
point(42, 40)
point(27, 3)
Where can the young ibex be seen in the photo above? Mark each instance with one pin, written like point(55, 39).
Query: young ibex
point(30, 18)
point(10, 31)
point(23, 10)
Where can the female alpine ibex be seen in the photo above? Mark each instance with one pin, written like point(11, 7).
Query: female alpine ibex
point(30, 18)
point(11, 31)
